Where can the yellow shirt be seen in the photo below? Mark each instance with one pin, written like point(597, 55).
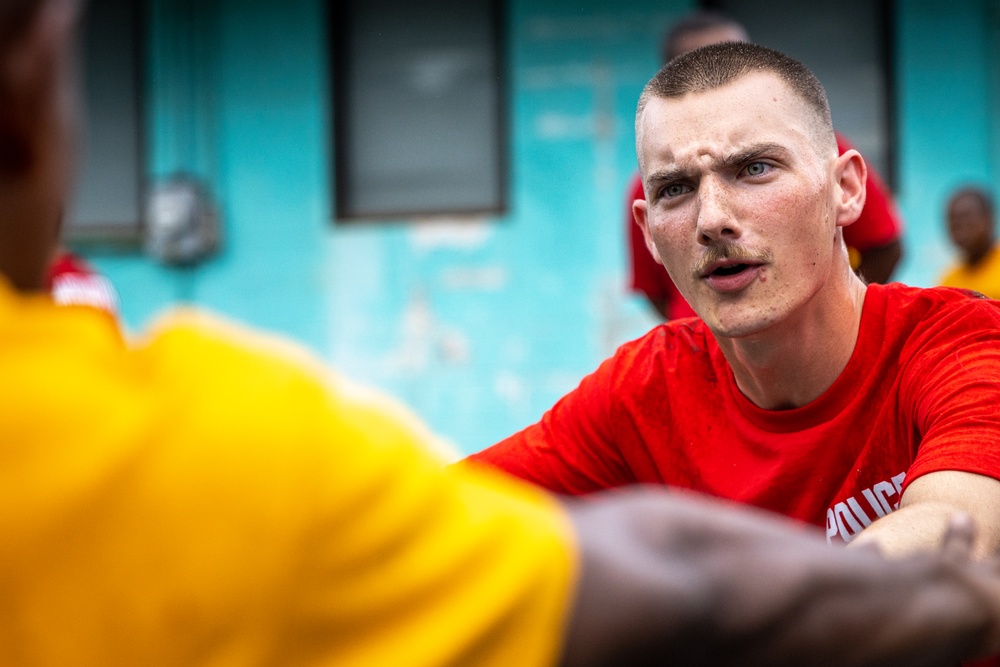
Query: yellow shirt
point(205, 497)
point(983, 278)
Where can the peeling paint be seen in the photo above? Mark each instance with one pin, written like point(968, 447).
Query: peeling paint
point(425, 341)
point(484, 278)
point(450, 233)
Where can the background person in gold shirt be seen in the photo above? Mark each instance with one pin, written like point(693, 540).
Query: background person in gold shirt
point(205, 495)
point(972, 228)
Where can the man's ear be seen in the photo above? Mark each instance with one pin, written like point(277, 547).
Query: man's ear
point(640, 211)
point(850, 174)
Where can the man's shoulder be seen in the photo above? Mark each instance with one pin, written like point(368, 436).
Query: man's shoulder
point(263, 388)
point(199, 329)
point(205, 354)
point(941, 295)
point(925, 306)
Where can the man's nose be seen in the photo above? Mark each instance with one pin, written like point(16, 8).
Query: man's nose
point(716, 221)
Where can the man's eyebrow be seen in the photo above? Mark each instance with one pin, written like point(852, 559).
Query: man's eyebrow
point(737, 159)
point(751, 153)
point(668, 175)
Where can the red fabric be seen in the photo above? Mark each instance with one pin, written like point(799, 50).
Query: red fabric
point(878, 225)
point(918, 395)
point(66, 263)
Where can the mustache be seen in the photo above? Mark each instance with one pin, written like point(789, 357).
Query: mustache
point(729, 251)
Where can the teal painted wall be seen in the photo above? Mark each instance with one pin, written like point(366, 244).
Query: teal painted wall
point(480, 324)
point(236, 95)
point(949, 117)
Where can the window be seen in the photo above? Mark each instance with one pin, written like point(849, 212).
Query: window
point(107, 200)
point(418, 108)
point(848, 45)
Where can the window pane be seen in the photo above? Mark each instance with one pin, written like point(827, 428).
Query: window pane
point(418, 95)
point(108, 189)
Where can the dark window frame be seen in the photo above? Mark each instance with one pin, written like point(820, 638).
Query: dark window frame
point(127, 231)
point(339, 22)
point(886, 13)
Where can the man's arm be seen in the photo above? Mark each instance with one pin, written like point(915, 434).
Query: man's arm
point(949, 394)
point(922, 517)
point(668, 577)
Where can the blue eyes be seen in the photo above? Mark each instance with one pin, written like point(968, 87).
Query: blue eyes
point(751, 169)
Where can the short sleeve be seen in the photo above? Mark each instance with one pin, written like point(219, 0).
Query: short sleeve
point(958, 390)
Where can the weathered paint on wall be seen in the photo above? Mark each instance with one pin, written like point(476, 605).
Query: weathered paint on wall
point(480, 324)
point(237, 95)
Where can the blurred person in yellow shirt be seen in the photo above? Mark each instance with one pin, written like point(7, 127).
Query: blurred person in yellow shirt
point(972, 228)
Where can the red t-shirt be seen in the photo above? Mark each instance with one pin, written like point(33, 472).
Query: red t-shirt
point(919, 394)
point(878, 225)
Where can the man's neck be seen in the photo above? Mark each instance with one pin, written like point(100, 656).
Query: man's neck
point(973, 261)
point(793, 362)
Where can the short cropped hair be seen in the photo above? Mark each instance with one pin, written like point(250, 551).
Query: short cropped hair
point(716, 65)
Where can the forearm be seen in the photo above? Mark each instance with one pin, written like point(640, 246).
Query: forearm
point(921, 521)
point(699, 583)
point(911, 529)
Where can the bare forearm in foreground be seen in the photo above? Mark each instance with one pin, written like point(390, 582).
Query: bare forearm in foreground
point(669, 577)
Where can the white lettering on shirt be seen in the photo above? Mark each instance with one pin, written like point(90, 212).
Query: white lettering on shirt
point(848, 518)
point(85, 290)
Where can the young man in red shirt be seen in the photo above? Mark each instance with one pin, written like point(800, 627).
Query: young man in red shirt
point(867, 410)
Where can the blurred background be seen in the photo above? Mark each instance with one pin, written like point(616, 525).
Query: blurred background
point(431, 196)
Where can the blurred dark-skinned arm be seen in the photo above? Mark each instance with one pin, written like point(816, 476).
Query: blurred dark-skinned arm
point(673, 579)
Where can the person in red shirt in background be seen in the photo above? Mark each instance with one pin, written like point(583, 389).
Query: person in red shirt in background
point(873, 241)
point(73, 282)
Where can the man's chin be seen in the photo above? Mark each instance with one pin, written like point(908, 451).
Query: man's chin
point(732, 322)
